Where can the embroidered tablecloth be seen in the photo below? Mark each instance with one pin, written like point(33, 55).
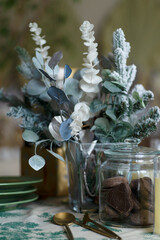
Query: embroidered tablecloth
point(34, 221)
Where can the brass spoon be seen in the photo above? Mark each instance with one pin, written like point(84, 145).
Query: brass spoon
point(64, 219)
point(87, 219)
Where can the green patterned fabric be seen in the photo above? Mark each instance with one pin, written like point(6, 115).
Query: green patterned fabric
point(34, 222)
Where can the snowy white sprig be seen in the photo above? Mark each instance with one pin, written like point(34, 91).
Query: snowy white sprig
point(90, 79)
point(39, 40)
point(121, 49)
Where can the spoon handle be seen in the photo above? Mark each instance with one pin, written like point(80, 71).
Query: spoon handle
point(106, 234)
point(69, 233)
point(105, 229)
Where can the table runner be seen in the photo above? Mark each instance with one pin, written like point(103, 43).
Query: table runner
point(34, 221)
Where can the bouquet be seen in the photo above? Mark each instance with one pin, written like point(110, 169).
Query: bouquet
point(97, 104)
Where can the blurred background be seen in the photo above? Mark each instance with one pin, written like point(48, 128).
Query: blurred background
point(60, 21)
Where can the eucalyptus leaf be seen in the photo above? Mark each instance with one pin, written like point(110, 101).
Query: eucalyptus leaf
point(97, 106)
point(30, 136)
point(71, 87)
point(67, 71)
point(110, 113)
point(101, 136)
point(77, 75)
point(103, 124)
point(111, 87)
point(65, 130)
point(120, 85)
point(56, 70)
point(36, 162)
point(46, 75)
point(58, 95)
point(35, 87)
point(39, 58)
point(36, 63)
point(55, 59)
point(121, 131)
point(56, 155)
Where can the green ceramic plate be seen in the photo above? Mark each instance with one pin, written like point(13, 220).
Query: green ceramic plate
point(17, 191)
point(10, 202)
point(18, 181)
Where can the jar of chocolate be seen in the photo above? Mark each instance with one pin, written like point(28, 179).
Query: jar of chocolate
point(126, 196)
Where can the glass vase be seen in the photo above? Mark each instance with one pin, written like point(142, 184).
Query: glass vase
point(83, 161)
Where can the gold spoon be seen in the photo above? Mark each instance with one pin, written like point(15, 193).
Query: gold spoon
point(87, 219)
point(64, 219)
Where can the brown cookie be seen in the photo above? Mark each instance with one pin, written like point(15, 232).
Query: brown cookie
point(135, 186)
point(110, 212)
point(141, 218)
point(147, 204)
point(119, 198)
point(146, 188)
point(142, 188)
point(114, 181)
point(136, 203)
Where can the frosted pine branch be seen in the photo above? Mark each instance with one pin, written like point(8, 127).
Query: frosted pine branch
point(147, 124)
point(121, 50)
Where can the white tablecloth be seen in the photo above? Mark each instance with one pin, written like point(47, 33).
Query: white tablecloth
point(34, 221)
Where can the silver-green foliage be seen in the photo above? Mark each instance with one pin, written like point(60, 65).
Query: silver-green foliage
point(122, 109)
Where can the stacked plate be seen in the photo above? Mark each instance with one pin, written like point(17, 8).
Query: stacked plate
point(17, 190)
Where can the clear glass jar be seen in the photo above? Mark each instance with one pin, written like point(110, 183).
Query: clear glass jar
point(126, 186)
point(83, 162)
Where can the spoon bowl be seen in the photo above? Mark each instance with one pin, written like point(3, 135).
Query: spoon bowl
point(64, 219)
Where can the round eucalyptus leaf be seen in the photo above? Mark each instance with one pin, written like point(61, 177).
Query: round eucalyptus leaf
point(55, 59)
point(103, 124)
point(97, 106)
point(65, 130)
point(36, 162)
point(39, 58)
point(121, 131)
point(30, 136)
point(35, 87)
point(58, 95)
point(111, 87)
point(36, 63)
point(72, 88)
point(67, 71)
